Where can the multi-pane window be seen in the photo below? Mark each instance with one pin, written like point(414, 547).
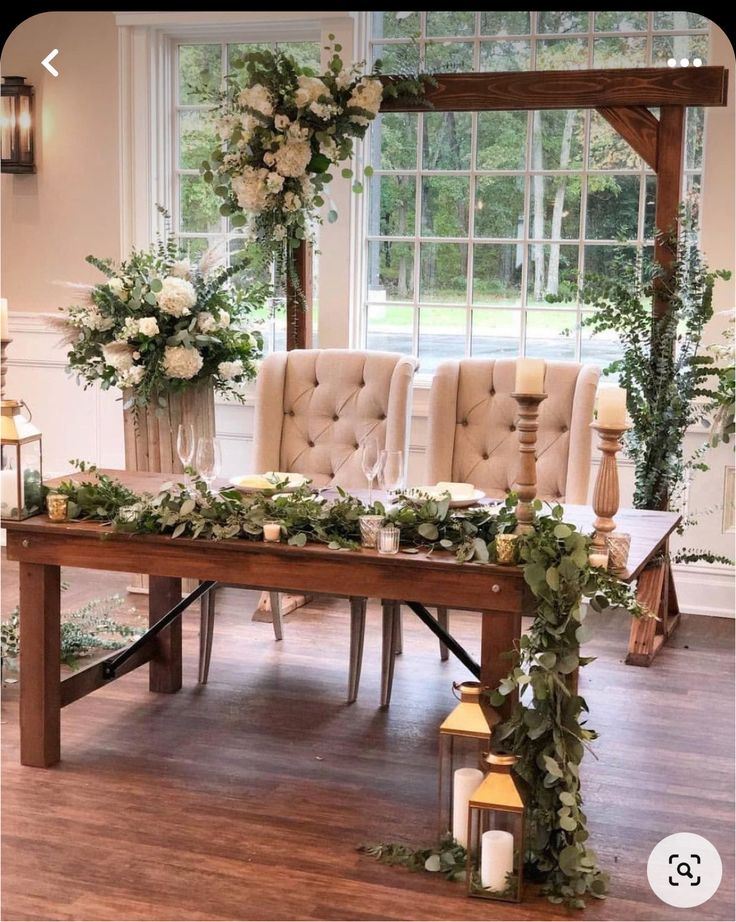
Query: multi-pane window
point(200, 71)
point(474, 219)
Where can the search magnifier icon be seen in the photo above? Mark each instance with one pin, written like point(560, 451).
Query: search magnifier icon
point(684, 873)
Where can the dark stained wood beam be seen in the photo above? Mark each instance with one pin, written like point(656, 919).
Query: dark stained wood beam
point(669, 178)
point(86, 680)
point(638, 127)
point(570, 89)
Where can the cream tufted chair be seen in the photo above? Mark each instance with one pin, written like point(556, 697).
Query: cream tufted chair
point(472, 435)
point(314, 408)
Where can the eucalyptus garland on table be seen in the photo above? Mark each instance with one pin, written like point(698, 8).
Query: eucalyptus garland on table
point(284, 129)
point(547, 729)
point(161, 323)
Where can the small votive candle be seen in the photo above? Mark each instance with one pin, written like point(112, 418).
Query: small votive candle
point(598, 559)
point(57, 505)
point(618, 544)
point(271, 531)
point(369, 527)
point(506, 549)
point(388, 539)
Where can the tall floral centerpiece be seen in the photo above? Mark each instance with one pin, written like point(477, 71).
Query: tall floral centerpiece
point(168, 332)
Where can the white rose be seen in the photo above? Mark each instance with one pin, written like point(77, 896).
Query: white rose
point(118, 355)
point(328, 148)
point(268, 158)
point(225, 126)
point(256, 97)
point(132, 377)
point(293, 159)
point(229, 370)
point(274, 182)
point(343, 79)
point(297, 133)
point(310, 90)
point(117, 286)
point(181, 362)
point(322, 110)
point(206, 322)
point(148, 326)
point(182, 268)
point(292, 202)
point(224, 319)
point(177, 296)
point(367, 95)
point(281, 122)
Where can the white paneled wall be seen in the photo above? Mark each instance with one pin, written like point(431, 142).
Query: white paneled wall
point(87, 424)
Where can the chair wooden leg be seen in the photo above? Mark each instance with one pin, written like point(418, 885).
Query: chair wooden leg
point(399, 631)
point(391, 625)
point(206, 631)
point(357, 636)
point(276, 614)
point(443, 617)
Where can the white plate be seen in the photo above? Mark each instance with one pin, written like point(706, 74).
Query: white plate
point(418, 493)
point(297, 481)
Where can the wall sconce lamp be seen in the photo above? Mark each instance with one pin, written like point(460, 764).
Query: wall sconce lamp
point(16, 126)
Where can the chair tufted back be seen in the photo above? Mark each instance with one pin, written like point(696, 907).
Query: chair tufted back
point(314, 407)
point(472, 434)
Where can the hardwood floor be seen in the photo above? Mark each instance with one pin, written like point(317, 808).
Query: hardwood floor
point(246, 798)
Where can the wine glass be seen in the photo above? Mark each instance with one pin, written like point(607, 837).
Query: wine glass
point(370, 461)
point(185, 444)
point(208, 459)
point(391, 471)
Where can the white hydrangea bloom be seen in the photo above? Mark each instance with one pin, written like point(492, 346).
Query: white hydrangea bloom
point(117, 286)
point(181, 362)
point(367, 95)
point(129, 330)
point(310, 90)
point(148, 326)
point(322, 110)
point(274, 182)
point(132, 377)
point(292, 159)
point(206, 322)
point(229, 370)
point(256, 97)
point(93, 319)
point(250, 189)
point(225, 126)
point(182, 268)
point(118, 355)
point(177, 296)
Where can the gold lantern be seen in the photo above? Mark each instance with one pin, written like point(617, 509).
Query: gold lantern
point(20, 463)
point(496, 832)
point(465, 736)
point(16, 126)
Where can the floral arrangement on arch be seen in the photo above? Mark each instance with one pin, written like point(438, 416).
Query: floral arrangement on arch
point(161, 323)
point(283, 129)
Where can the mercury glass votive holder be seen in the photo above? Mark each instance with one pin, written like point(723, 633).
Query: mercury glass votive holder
point(506, 550)
point(369, 527)
point(618, 544)
point(388, 539)
point(57, 505)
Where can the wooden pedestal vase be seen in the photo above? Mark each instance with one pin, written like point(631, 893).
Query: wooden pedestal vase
point(150, 438)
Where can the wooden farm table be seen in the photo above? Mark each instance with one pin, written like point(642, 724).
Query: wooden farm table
point(42, 547)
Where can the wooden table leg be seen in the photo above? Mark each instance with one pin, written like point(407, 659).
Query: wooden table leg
point(644, 641)
point(165, 668)
point(40, 643)
point(500, 633)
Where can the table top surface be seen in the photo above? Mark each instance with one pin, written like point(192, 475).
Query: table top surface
point(648, 529)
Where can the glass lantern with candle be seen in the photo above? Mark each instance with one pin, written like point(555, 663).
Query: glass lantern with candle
point(16, 126)
point(465, 735)
point(496, 832)
point(20, 463)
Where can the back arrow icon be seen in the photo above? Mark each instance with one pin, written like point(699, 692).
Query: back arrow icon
point(50, 57)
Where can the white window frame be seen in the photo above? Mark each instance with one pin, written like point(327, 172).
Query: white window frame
point(147, 130)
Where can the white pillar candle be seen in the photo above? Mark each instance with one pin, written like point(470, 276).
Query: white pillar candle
point(464, 783)
point(612, 407)
point(271, 531)
point(8, 490)
point(4, 318)
point(529, 376)
point(496, 859)
point(598, 560)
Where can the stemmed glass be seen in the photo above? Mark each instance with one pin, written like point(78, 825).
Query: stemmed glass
point(185, 444)
point(370, 462)
point(391, 471)
point(208, 460)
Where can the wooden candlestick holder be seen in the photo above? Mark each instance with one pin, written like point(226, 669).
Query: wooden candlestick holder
point(4, 343)
point(525, 485)
point(605, 492)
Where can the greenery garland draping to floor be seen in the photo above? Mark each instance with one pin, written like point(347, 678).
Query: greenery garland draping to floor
point(547, 728)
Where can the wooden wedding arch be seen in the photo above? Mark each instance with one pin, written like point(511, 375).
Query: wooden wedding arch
point(624, 98)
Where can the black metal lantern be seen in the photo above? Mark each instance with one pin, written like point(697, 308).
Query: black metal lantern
point(16, 126)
